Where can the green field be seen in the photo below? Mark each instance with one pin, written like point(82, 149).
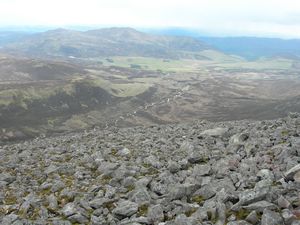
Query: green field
point(152, 63)
point(262, 64)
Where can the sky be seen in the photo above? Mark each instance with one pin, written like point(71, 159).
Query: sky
point(269, 18)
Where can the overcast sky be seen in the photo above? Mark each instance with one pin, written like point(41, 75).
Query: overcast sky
point(278, 18)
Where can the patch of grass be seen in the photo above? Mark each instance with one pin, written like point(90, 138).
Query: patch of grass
point(169, 217)
point(32, 213)
point(105, 179)
point(3, 211)
point(76, 122)
point(242, 214)
point(114, 152)
point(211, 217)
point(130, 89)
point(198, 199)
point(31, 130)
point(143, 210)
point(65, 200)
point(110, 205)
point(68, 180)
point(45, 192)
point(10, 199)
point(146, 165)
point(150, 170)
point(130, 188)
point(190, 212)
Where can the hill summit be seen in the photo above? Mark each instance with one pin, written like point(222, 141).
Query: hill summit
point(238, 172)
point(105, 42)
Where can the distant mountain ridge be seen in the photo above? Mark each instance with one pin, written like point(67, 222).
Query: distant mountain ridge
point(104, 43)
point(7, 37)
point(254, 47)
point(159, 43)
point(250, 48)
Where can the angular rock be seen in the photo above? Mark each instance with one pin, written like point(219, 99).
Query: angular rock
point(98, 202)
point(200, 214)
point(124, 152)
point(238, 139)
point(289, 175)
point(69, 209)
point(78, 218)
point(57, 186)
point(215, 132)
point(143, 182)
point(260, 206)
point(61, 222)
point(97, 220)
point(173, 167)
point(265, 174)
point(125, 209)
point(252, 217)
point(52, 200)
point(283, 202)
point(153, 161)
point(271, 218)
point(155, 214)
point(240, 222)
point(9, 219)
point(221, 213)
point(179, 191)
point(202, 170)
point(206, 192)
point(140, 195)
point(187, 147)
point(288, 216)
point(6, 177)
point(297, 177)
point(182, 220)
point(250, 196)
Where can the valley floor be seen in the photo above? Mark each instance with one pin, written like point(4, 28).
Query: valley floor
point(122, 97)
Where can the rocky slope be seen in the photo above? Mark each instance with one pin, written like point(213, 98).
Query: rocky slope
point(238, 172)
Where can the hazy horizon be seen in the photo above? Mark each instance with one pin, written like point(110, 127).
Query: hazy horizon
point(271, 18)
